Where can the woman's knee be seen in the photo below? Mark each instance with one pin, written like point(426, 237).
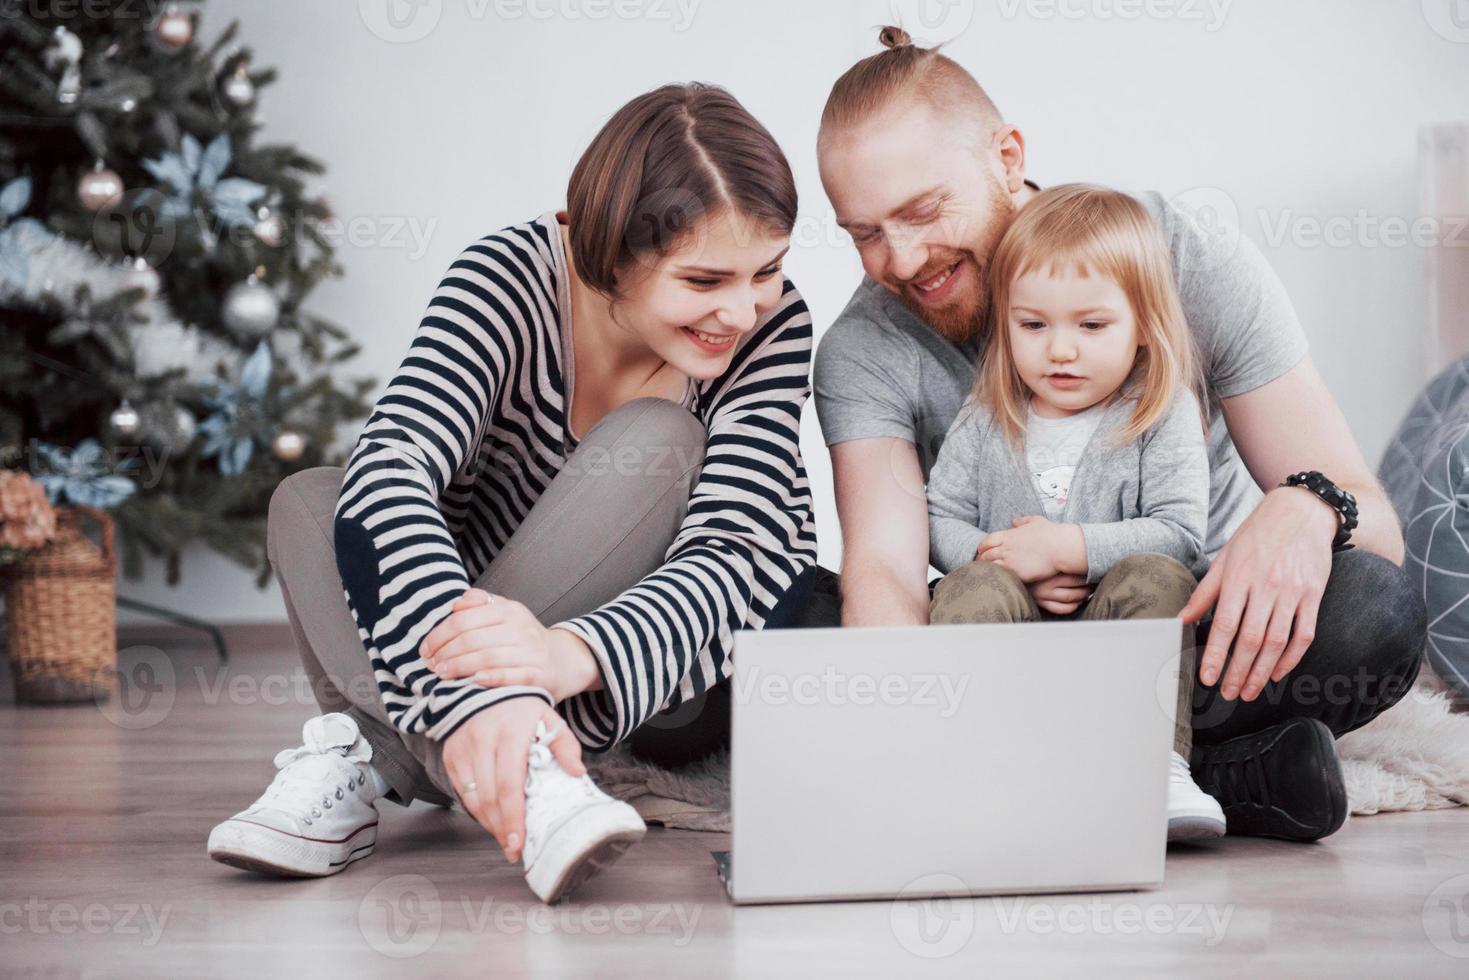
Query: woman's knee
point(980, 592)
point(653, 436)
point(302, 501)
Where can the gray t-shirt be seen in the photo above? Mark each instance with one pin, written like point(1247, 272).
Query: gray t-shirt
point(881, 371)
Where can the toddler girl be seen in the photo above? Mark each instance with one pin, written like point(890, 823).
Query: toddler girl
point(1079, 460)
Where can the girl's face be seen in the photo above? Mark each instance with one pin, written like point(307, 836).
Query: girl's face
point(1074, 338)
point(692, 306)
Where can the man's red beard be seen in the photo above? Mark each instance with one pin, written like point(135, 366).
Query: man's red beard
point(963, 317)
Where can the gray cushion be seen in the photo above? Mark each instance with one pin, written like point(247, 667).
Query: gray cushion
point(1425, 471)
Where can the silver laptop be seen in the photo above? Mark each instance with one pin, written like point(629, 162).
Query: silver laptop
point(1020, 758)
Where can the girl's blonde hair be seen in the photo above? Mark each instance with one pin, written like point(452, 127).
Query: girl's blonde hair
point(1100, 232)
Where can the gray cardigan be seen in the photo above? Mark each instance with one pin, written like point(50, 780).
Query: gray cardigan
point(1151, 495)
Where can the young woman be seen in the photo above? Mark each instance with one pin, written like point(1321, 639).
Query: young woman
point(583, 479)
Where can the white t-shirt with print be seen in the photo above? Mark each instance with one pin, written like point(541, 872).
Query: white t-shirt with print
point(1053, 447)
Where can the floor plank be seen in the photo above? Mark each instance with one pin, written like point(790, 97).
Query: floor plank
point(104, 813)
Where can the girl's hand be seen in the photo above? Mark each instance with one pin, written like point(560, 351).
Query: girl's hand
point(1035, 548)
point(486, 759)
point(1061, 594)
point(500, 643)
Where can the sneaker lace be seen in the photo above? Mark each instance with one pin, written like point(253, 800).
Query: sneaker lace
point(548, 787)
point(1244, 780)
point(319, 773)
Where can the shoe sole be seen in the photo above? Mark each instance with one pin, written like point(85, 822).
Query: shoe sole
point(1256, 821)
point(1195, 827)
point(255, 847)
point(583, 847)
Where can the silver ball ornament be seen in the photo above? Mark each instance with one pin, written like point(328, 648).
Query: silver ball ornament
point(239, 89)
point(251, 308)
point(288, 445)
point(99, 188)
point(269, 229)
point(124, 419)
point(174, 27)
point(167, 426)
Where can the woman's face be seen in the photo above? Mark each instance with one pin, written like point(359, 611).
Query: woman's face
point(693, 305)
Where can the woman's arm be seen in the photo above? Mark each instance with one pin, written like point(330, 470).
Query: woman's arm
point(748, 533)
point(1173, 489)
point(401, 570)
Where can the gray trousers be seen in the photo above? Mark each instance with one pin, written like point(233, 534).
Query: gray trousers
point(605, 521)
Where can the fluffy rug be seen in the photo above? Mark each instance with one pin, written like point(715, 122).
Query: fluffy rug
point(1414, 756)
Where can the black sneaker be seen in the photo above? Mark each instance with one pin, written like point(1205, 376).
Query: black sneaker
point(1284, 781)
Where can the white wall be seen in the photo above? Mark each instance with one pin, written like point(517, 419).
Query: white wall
point(1286, 114)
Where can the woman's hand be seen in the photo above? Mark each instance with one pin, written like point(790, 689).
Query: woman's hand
point(1061, 594)
point(498, 642)
point(486, 759)
point(1036, 548)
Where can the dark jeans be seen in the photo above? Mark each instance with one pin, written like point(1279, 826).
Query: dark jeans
point(700, 726)
point(1370, 634)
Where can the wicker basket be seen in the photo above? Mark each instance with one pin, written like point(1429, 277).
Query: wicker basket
point(61, 614)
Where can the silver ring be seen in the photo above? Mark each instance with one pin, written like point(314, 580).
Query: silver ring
point(470, 787)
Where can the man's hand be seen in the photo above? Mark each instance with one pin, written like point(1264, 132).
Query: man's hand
point(1265, 588)
point(1061, 594)
point(501, 643)
point(486, 759)
point(1035, 548)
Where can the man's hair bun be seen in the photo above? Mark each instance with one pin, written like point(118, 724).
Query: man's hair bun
point(894, 37)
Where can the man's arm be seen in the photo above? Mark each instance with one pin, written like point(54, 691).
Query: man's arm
point(884, 516)
point(1265, 587)
point(1293, 424)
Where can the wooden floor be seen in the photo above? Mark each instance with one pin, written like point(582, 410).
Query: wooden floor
point(104, 814)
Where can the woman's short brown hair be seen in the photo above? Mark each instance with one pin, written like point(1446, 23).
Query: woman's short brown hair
point(664, 162)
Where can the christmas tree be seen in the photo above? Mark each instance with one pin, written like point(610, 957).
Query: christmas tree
point(155, 355)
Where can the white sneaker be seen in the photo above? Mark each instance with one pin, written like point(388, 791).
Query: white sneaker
point(1192, 813)
point(317, 816)
point(573, 830)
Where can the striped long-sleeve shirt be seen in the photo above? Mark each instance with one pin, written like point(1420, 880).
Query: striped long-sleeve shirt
point(470, 432)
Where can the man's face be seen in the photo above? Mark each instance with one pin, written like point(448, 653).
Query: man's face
point(922, 198)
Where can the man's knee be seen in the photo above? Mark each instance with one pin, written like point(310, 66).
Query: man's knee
point(1371, 629)
point(979, 592)
point(1372, 608)
point(302, 501)
point(652, 436)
